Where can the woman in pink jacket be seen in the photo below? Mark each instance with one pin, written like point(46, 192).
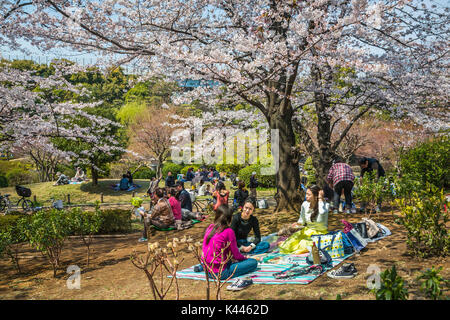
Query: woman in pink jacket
point(219, 243)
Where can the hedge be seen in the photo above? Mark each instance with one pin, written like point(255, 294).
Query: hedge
point(172, 167)
point(114, 220)
point(265, 181)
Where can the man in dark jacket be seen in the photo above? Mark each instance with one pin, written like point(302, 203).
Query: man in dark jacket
point(185, 202)
point(170, 180)
point(370, 165)
point(253, 185)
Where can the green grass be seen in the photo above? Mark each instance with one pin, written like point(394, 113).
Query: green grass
point(87, 193)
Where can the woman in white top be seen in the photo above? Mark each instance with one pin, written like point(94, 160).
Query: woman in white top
point(314, 209)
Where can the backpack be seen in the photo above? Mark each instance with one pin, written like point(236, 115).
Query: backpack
point(373, 231)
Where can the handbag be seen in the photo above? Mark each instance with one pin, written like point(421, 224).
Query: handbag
point(325, 258)
point(332, 243)
point(361, 228)
point(358, 242)
point(372, 228)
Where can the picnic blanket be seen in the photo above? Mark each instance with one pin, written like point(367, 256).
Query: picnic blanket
point(131, 188)
point(265, 272)
point(76, 182)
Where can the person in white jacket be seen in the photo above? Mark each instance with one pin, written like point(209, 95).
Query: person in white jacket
point(314, 209)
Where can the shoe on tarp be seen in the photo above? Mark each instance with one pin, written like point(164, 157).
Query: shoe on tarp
point(346, 271)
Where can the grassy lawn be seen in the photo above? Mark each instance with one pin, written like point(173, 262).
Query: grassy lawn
point(87, 193)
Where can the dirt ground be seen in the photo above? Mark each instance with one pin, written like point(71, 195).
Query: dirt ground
point(111, 275)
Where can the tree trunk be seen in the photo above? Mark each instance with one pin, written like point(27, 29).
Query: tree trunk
point(288, 175)
point(94, 176)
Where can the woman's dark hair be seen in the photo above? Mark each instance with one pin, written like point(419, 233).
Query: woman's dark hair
point(173, 192)
point(221, 221)
point(159, 192)
point(250, 200)
point(220, 186)
point(362, 160)
point(241, 185)
point(124, 176)
point(314, 205)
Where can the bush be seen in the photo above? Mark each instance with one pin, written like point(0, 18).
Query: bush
point(431, 283)
point(3, 181)
point(265, 181)
point(144, 173)
point(370, 191)
point(115, 221)
point(425, 221)
point(185, 169)
point(47, 232)
point(310, 171)
point(392, 286)
point(117, 170)
point(233, 168)
point(19, 176)
point(428, 162)
point(172, 167)
point(11, 235)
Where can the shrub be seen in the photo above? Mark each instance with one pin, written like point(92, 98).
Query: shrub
point(185, 169)
point(47, 232)
point(266, 181)
point(233, 168)
point(117, 170)
point(370, 191)
point(392, 286)
point(19, 176)
point(310, 171)
point(431, 283)
point(115, 221)
point(144, 173)
point(428, 162)
point(11, 236)
point(425, 221)
point(3, 181)
point(85, 225)
point(172, 167)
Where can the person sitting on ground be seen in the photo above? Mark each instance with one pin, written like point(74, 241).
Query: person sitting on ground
point(244, 222)
point(240, 195)
point(124, 183)
point(129, 177)
point(176, 207)
point(170, 180)
point(220, 195)
point(61, 179)
point(219, 243)
point(190, 174)
point(79, 175)
point(185, 201)
point(161, 216)
point(202, 189)
point(313, 209)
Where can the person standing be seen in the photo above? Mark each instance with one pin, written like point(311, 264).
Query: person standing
point(253, 185)
point(370, 165)
point(341, 177)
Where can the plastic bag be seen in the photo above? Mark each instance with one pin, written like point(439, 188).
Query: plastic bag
point(300, 242)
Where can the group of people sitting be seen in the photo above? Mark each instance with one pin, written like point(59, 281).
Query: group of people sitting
point(171, 207)
point(126, 182)
point(62, 179)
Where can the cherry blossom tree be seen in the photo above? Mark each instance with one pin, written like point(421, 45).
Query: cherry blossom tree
point(32, 115)
point(295, 61)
